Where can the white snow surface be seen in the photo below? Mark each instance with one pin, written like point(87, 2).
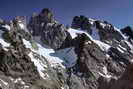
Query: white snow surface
point(123, 48)
point(5, 83)
point(125, 37)
point(92, 21)
point(68, 56)
point(102, 45)
point(7, 27)
point(105, 47)
point(21, 25)
point(74, 32)
point(120, 50)
point(40, 66)
point(105, 73)
point(65, 57)
point(102, 24)
point(45, 52)
point(4, 44)
point(19, 80)
point(130, 46)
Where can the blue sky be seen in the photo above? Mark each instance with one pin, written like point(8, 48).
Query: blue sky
point(117, 12)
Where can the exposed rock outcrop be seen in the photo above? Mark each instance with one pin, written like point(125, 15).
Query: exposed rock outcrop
point(48, 29)
point(47, 55)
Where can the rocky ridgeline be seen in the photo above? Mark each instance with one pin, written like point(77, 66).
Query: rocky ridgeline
point(48, 29)
point(104, 54)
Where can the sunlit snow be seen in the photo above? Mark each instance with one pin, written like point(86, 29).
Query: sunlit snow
point(7, 27)
point(103, 46)
point(4, 44)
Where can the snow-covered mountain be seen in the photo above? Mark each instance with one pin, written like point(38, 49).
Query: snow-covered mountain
point(44, 54)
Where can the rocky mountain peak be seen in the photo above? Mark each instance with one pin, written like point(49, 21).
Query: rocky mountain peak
point(44, 54)
point(47, 29)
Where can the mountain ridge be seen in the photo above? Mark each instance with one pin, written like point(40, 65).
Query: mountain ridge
point(44, 54)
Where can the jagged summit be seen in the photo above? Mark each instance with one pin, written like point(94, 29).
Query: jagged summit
point(47, 29)
point(44, 54)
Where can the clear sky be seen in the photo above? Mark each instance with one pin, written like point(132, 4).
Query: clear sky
point(117, 12)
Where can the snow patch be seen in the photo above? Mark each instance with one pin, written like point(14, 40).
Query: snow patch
point(53, 56)
point(105, 73)
point(103, 25)
point(92, 21)
point(4, 44)
point(26, 87)
point(107, 56)
point(74, 33)
point(7, 27)
point(103, 46)
point(46, 53)
point(19, 80)
point(62, 57)
point(21, 25)
point(5, 83)
point(68, 55)
point(125, 37)
point(38, 64)
point(130, 46)
point(132, 61)
point(123, 48)
point(88, 42)
point(120, 50)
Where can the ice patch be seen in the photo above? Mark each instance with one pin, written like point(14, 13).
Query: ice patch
point(95, 34)
point(54, 58)
point(45, 52)
point(68, 56)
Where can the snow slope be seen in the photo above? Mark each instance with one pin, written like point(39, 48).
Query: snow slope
point(102, 45)
point(68, 56)
point(65, 57)
point(4, 44)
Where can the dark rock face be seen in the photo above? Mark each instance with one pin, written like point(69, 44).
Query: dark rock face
point(15, 62)
point(99, 71)
point(81, 22)
point(124, 82)
point(17, 71)
point(51, 32)
point(107, 32)
point(128, 31)
point(95, 68)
